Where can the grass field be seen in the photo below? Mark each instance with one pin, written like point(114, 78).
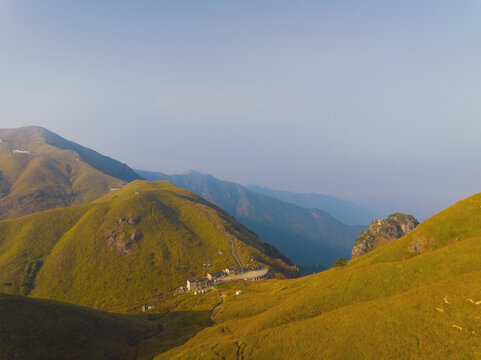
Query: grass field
point(126, 248)
point(414, 298)
point(39, 170)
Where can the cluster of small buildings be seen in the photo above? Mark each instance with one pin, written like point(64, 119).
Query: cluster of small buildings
point(219, 276)
point(199, 284)
point(25, 152)
point(118, 187)
point(229, 274)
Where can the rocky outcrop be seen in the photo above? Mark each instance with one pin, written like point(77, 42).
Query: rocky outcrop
point(136, 235)
point(381, 232)
point(117, 241)
point(132, 220)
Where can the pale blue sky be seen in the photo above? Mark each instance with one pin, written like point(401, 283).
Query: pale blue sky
point(378, 102)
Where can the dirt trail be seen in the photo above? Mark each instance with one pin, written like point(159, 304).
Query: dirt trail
point(218, 306)
point(237, 341)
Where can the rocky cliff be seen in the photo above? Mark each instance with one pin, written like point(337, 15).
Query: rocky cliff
point(381, 232)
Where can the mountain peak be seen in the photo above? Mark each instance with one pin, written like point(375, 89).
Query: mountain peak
point(41, 170)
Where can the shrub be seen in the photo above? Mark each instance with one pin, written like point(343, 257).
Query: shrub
point(31, 269)
point(339, 263)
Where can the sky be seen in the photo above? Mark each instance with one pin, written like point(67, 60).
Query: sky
point(377, 102)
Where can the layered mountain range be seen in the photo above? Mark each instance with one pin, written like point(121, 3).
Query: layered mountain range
point(40, 170)
point(415, 291)
point(306, 236)
point(346, 211)
point(422, 288)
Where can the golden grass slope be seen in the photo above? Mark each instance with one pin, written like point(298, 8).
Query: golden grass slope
point(415, 298)
point(128, 247)
point(44, 171)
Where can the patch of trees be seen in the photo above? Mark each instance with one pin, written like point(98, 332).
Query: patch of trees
point(4, 186)
point(339, 263)
point(31, 269)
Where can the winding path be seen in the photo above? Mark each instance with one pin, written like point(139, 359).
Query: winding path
point(213, 311)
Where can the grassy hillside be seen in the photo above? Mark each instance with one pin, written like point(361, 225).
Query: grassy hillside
point(46, 329)
point(128, 247)
point(418, 297)
point(40, 170)
point(306, 236)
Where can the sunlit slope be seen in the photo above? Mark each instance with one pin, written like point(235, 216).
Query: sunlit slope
point(418, 297)
point(306, 236)
point(127, 247)
point(39, 170)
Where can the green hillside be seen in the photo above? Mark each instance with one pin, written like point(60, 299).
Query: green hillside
point(128, 247)
point(418, 297)
point(40, 170)
point(307, 236)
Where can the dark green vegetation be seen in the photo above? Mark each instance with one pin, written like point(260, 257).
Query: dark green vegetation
point(46, 329)
point(5, 186)
point(311, 269)
point(341, 262)
point(381, 232)
point(418, 297)
point(346, 211)
point(40, 170)
point(306, 236)
point(126, 248)
point(31, 269)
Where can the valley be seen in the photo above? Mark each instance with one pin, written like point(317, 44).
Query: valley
point(420, 289)
point(309, 237)
point(150, 270)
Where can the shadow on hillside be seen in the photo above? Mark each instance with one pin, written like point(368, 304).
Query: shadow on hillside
point(177, 328)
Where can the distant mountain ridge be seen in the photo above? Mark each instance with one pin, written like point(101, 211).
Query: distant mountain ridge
point(306, 236)
point(345, 211)
point(40, 170)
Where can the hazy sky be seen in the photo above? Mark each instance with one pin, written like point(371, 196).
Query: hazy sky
point(378, 102)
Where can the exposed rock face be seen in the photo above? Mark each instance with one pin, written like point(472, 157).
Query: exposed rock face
point(381, 232)
point(132, 220)
point(136, 235)
point(117, 242)
point(116, 239)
